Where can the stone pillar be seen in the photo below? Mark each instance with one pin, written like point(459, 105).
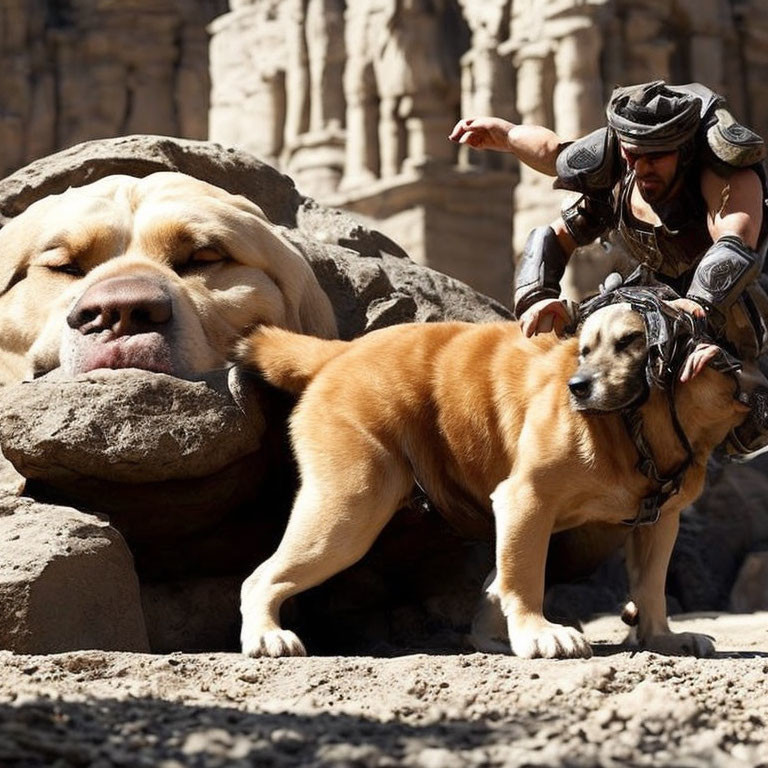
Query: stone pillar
point(296, 73)
point(314, 141)
point(248, 63)
point(752, 29)
point(535, 203)
point(27, 101)
point(648, 43)
point(709, 27)
point(578, 96)
point(487, 76)
point(365, 33)
point(326, 53)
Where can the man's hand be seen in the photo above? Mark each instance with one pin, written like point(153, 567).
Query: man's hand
point(545, 316)
point(483, 133)
point(690, 306)
point(698, 359)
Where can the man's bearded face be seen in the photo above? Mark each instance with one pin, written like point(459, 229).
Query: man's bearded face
point(655, 172)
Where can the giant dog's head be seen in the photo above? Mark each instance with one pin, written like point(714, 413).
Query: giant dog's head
point(162, 273)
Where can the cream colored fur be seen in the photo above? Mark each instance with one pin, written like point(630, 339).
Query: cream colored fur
point(222, 262)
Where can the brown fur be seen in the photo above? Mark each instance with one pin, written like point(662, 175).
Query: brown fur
point(481, 411)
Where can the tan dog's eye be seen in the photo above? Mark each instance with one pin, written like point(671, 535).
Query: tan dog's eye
point(626, 341)
point(58, 258)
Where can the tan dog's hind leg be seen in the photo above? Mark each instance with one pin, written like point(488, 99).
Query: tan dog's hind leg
point(339, 511)
point(648, 551)
point(523, 530)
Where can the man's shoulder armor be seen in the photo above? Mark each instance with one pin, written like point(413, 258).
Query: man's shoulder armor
point(731, 144)
point(589, 165)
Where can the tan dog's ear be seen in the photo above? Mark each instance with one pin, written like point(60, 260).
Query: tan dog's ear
point(698, 360)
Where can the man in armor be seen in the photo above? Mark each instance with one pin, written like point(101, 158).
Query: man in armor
point(681, 182)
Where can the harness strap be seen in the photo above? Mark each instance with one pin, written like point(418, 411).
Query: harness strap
point(650, 506)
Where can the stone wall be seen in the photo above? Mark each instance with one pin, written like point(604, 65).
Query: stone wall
point(355, 100)
point(72, 70)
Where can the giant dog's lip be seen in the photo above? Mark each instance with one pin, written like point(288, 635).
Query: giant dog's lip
point(146, 351)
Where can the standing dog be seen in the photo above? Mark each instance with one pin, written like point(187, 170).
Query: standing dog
point(529, 429)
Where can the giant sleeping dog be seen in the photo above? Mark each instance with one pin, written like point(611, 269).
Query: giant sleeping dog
point(162, 273)
point(482, 410)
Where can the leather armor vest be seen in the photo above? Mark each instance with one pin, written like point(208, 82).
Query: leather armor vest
point(676, 246)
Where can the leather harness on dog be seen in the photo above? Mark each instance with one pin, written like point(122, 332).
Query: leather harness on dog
point(671, 335)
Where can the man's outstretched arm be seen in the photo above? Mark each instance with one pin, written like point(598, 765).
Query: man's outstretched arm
point(533, 145)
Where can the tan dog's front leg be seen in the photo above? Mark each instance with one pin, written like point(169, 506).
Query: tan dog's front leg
point(648, 551)
point(523, 530)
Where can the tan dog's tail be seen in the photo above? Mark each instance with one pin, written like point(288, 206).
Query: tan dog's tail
point(287, 360)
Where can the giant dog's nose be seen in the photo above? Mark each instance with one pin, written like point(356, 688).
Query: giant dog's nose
point(122, 305)
point(580, 385)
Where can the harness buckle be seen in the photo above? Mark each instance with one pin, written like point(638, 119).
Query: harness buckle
point(649, 512)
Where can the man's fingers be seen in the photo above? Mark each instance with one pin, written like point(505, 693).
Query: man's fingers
point(545, 322)
point(528, 325)
point(545, 316)
point(460, 130)
point(698, 360)
point(688, 305)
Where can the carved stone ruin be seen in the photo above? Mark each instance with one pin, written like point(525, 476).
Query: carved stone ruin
point(71, 71)
point(412, 67)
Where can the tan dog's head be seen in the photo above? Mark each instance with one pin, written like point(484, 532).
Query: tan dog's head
point(162, 273)
point(612, 355)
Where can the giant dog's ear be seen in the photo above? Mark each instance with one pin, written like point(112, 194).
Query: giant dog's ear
point(307, 307)
point(260, 243)
point(697, 361)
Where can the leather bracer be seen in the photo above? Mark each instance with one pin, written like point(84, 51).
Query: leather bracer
point(724, 272)
point(587, 218)
point(540, 269)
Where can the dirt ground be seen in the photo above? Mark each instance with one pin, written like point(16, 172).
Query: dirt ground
point(433, 711)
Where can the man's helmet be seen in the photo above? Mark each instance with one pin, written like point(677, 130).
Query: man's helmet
point(654, 117)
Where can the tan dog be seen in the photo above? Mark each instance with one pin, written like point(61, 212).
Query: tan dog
point(480, 412)
point(162, 273)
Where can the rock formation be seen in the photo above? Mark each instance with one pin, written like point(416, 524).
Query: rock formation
point(195, 476)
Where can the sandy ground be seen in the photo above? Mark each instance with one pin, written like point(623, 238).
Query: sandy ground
point(437, 711)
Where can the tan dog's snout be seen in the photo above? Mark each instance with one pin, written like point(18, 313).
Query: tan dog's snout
point(122, 306)
point(581, 385)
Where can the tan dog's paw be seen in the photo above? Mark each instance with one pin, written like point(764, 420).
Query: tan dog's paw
point(549, 641)
point(274, 642)
point(678, 644)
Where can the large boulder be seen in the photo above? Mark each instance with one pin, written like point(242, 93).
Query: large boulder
point(369, 278)
point(67, 582)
